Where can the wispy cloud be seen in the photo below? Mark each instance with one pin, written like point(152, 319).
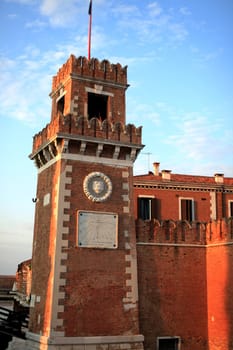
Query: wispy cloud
point(61, 13)
point(23, 2)
point(126, 11)
point(185, 11)
point(142, 111)
point(27, 78)
point(12, 16)
point(192, 142)
point(151, 24)
point(202, 56)
point(154, 9)
point(192, 132)
point(194, 137)
point(37, 24)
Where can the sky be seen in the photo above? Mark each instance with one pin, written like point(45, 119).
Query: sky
point(179, 55)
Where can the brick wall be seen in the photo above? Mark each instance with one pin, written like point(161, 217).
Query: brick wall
point(185, 283)
point(44, 243)
point(97, 298)
point(220, 302)
point(79, 291)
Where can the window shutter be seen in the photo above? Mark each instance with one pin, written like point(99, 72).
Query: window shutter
point(154, 208)
point(189, 210)
point(138, 209)
point(183, 209)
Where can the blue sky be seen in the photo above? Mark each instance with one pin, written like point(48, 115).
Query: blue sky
point(179, 55)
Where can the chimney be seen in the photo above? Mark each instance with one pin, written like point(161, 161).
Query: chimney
point(166, 174)
point(219, 178)
point(156, 168)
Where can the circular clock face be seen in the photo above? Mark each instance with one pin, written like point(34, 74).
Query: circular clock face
point(97, 187)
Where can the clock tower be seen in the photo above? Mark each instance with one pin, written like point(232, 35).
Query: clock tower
point(84, 264)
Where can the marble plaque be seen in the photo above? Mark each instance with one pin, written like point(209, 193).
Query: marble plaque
point(97, 230)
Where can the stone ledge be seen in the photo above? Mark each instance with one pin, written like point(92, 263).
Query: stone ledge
point(56, 340)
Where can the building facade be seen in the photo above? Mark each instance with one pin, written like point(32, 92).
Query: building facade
point(122, 262)
point(162, 195)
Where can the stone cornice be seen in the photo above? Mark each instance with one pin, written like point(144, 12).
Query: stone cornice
point(180, 186)
point(60, 145)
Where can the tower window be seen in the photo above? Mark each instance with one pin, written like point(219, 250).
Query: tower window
point(147, 208)
point(186, 208)
point(97, 106)
point(168, 343)
point(61, 105)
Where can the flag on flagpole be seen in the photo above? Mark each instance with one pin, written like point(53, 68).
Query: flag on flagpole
point(89, 30)
point(90, 8)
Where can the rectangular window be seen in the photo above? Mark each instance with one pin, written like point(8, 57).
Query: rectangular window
point(168, 343)
point(61, 104)
point(146, 208)
point(186, 209)
point(97, 106)
point(230, 208)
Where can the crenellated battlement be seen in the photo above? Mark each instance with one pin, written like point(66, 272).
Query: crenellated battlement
point(184, 232)
point(94, 69)
point(96, 128)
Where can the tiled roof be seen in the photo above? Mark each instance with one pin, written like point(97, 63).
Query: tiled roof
point(182, 178)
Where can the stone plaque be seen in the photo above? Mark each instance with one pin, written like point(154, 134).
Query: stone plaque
point(97, 230)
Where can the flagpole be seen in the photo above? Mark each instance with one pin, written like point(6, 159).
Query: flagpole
point(89, 30)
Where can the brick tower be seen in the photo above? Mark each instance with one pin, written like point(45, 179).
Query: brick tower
point(84, 265)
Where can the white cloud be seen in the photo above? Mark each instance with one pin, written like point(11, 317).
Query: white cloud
point(178, 31)
point(201, 57)
point(154, 9)
point(61, 13)
point(142, 111)
point(37, 24)
point(23, 2)
point(185, 11)
point(193, 137)
point(12, 15)
point(151, 24)
point(190, 142)
point(26, 83)
point(126, 11)
point(27, 79)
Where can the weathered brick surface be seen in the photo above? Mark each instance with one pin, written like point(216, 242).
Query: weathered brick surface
point(96, 278)
point(219, 296)
point(172, 295)
point(43, 249)
point(185, 283)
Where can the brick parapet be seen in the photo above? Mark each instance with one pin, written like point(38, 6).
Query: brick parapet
point(184, 232)
point(94, 69)
point(72, 125)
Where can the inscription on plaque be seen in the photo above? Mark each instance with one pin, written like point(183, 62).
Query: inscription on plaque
point(97, 230)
